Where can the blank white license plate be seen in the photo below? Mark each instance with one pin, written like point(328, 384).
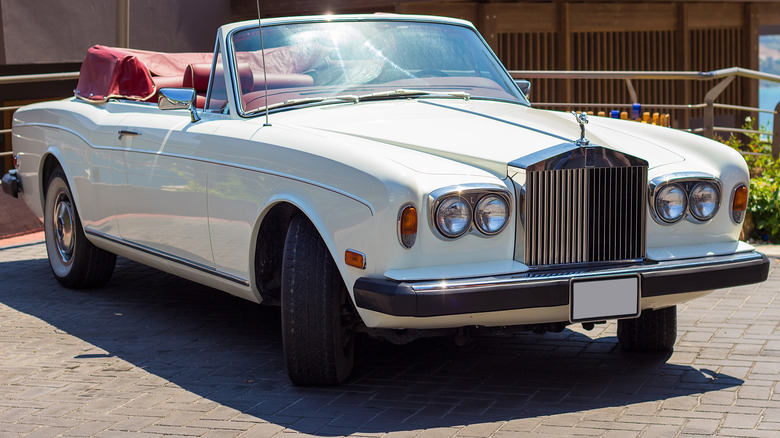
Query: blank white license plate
point(601, 299)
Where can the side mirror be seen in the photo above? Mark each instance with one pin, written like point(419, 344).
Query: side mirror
point(525, 87)
point(179, 98)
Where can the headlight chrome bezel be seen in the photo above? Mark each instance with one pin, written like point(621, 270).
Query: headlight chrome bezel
point(473, 195)
point(688, 182)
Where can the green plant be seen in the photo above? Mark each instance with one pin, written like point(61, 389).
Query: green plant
point(764, 207)
point(764, 195)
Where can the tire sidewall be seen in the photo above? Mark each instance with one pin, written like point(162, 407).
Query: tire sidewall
point(58, 185)
point(312, 288)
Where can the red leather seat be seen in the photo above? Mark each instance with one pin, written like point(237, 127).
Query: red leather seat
point(197, 76)
point(283, 80)
point(164, 82)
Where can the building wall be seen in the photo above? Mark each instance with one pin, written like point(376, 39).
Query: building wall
point(51, 36)
point(57, 31)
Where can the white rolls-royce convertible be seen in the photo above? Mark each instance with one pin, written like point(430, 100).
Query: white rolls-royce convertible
point(379, 174)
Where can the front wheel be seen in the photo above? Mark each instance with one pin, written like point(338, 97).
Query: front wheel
point(317, 315)
point(75, 262)
point(654, 330)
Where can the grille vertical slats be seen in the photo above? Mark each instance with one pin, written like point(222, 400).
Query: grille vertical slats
point(585, 215)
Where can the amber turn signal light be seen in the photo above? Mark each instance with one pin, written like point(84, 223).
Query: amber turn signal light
point(355, 259)
point(739, 203)
point(407, 226)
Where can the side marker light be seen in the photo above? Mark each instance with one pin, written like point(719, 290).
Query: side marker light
point(355, 259)
point(739, 201)
point(407, 226)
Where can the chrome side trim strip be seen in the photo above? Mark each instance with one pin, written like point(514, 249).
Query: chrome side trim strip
point(169, 257)
point(59, 127)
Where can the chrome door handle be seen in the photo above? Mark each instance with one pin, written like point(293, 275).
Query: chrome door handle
point(123, 132)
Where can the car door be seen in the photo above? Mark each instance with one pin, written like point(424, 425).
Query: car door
point(161, 202)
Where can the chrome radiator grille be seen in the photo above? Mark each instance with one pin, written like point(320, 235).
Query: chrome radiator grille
point(585, 215)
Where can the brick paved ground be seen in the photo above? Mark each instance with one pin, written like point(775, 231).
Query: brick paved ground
point(153, 355)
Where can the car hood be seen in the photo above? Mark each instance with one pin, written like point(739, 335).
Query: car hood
point(485, 134)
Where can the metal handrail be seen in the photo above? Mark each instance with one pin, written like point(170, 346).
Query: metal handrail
point(610, 74)
point(42, 77)
point(709, 105)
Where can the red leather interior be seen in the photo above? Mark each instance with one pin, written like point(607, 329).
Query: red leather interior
point(197, 76)
point(164, 82)
point(283, 80)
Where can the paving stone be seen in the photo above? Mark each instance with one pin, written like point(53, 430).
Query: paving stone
point(698, 426)
point(221, 433)
point(263, 430)
point(741, 433)
point(88, 428)
point(154, 355)
point(741, 421)
point(480, 430)
point(521, 425)
point(621, 434)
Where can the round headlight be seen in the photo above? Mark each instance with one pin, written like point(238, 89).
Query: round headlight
point(671, 203)
point(704, 201)
point(491, 214)
point(453, 216)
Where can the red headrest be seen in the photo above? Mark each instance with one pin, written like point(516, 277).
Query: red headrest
point(197, 76)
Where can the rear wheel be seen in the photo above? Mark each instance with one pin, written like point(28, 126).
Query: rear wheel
point(654, 330)
point(75, 262)
point(317, 315)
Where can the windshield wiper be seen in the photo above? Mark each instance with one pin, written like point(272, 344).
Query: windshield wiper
point(401, 92)
point(304, 101)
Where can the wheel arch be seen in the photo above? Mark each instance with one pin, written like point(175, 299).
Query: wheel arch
point(49, 163)
point(267, 250)
point(269, 236)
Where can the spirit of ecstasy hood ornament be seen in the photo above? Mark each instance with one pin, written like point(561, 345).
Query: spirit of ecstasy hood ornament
point(582, 119)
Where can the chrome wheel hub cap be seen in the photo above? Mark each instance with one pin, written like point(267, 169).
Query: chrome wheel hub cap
point(64, 227)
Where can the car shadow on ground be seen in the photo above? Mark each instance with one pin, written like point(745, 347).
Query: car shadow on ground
point(229, 351)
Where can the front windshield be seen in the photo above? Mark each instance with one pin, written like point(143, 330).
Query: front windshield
point(311, 61)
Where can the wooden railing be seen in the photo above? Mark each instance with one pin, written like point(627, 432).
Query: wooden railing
point(20, 79)
point(708, 106)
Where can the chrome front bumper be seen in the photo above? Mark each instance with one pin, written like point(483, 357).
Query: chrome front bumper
point(551, 288)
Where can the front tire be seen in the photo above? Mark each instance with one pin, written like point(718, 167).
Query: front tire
point(654, 330)
point(75, 262)
point(317, 333)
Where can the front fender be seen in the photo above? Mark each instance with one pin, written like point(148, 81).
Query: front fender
point(343, 223)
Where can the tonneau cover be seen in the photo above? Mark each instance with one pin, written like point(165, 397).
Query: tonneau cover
point(128, 73)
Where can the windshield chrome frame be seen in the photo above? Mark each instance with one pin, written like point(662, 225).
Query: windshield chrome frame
point(229, 53)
